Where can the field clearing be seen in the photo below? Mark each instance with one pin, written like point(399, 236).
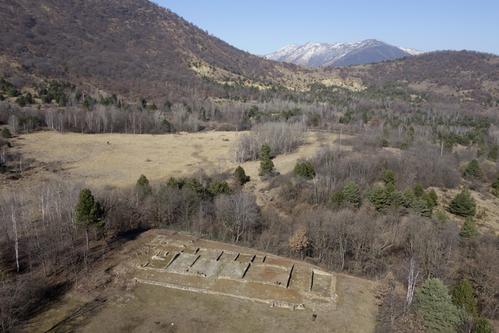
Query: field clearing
point(118, 160)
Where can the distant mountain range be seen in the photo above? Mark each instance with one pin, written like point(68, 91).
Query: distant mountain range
point(340, 54)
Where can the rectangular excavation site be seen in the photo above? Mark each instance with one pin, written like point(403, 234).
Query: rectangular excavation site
point(183, 262)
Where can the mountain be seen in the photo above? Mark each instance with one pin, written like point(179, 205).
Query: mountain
point(340, 54)
point(129, 47)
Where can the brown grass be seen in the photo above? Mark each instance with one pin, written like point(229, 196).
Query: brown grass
point(119, 159)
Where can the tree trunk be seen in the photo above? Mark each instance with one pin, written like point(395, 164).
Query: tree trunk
point(412, 278)
point(16, 238)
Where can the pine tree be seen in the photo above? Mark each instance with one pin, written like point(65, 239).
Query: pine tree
point(304, 169)
point(434, 304)
point(219, 187)
point(143, 187)
point(431, 198)
point(473, 170)
point(351, 194)
point(6, 134)
point(337, 199)
point(482, 325)
point(380, 198)
point(463, 297)
point(463, 204)
point(418, 190)
point(241, 176)
point(468, 229)
point(389, 178)
point(495, 187)
point(421, 207)
point(88, 212)
point(266, 164)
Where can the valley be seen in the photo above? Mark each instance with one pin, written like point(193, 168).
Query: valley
point(156, 178)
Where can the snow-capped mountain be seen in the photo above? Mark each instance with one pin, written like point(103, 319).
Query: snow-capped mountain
point(340, 54)
point(411, 51)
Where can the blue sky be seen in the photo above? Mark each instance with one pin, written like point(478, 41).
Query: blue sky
point(262, 26)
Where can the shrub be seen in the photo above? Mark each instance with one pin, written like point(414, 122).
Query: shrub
point(495, 187)
point(435, 306)
point(463, 297)
point(463, 204)
point(175, 183)
point(299, 242)
point(468, 229)
point(304, 169)
point(337, 199)
point(219, 187)
point(431, 198)
point(473, 170)
point(421, 207)
point(389, 178)
point(241, 176)
point(441, 216)
point(6, 134)
point(482, 325)
point(493, 153)
point(418, 190)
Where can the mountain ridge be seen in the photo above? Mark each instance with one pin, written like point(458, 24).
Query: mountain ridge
point(340, 54)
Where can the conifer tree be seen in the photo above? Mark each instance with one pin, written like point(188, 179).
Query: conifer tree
point(266, 164)
point(463, 204)
point(434, 304)
point(241, 176)
point(88, 212)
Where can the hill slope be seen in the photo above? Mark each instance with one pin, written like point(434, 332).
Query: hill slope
point(471, 76)
point(124, 46)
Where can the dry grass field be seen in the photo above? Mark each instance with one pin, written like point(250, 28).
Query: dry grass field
point(119, 159)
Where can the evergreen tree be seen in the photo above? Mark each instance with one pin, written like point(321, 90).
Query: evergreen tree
point(337, 199)
point(389, 178)
point(473, 170)
point(495, 187)
point(421, 207)
point(304, 169)
point(6, 134)
point(143, 187)
point(468, 229)
point(241, 176)
point(463, 297)
point(418, 190)
point(266, 164)
point(463, 204)
point(431, 198)
point(435, 306)
point(380, 198)
point(219, 187)
point(88, 212)
point(351, 194)
point(482, 325)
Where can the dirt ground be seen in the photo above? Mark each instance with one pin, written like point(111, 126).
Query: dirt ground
point(111, 303)
point(119, 159)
